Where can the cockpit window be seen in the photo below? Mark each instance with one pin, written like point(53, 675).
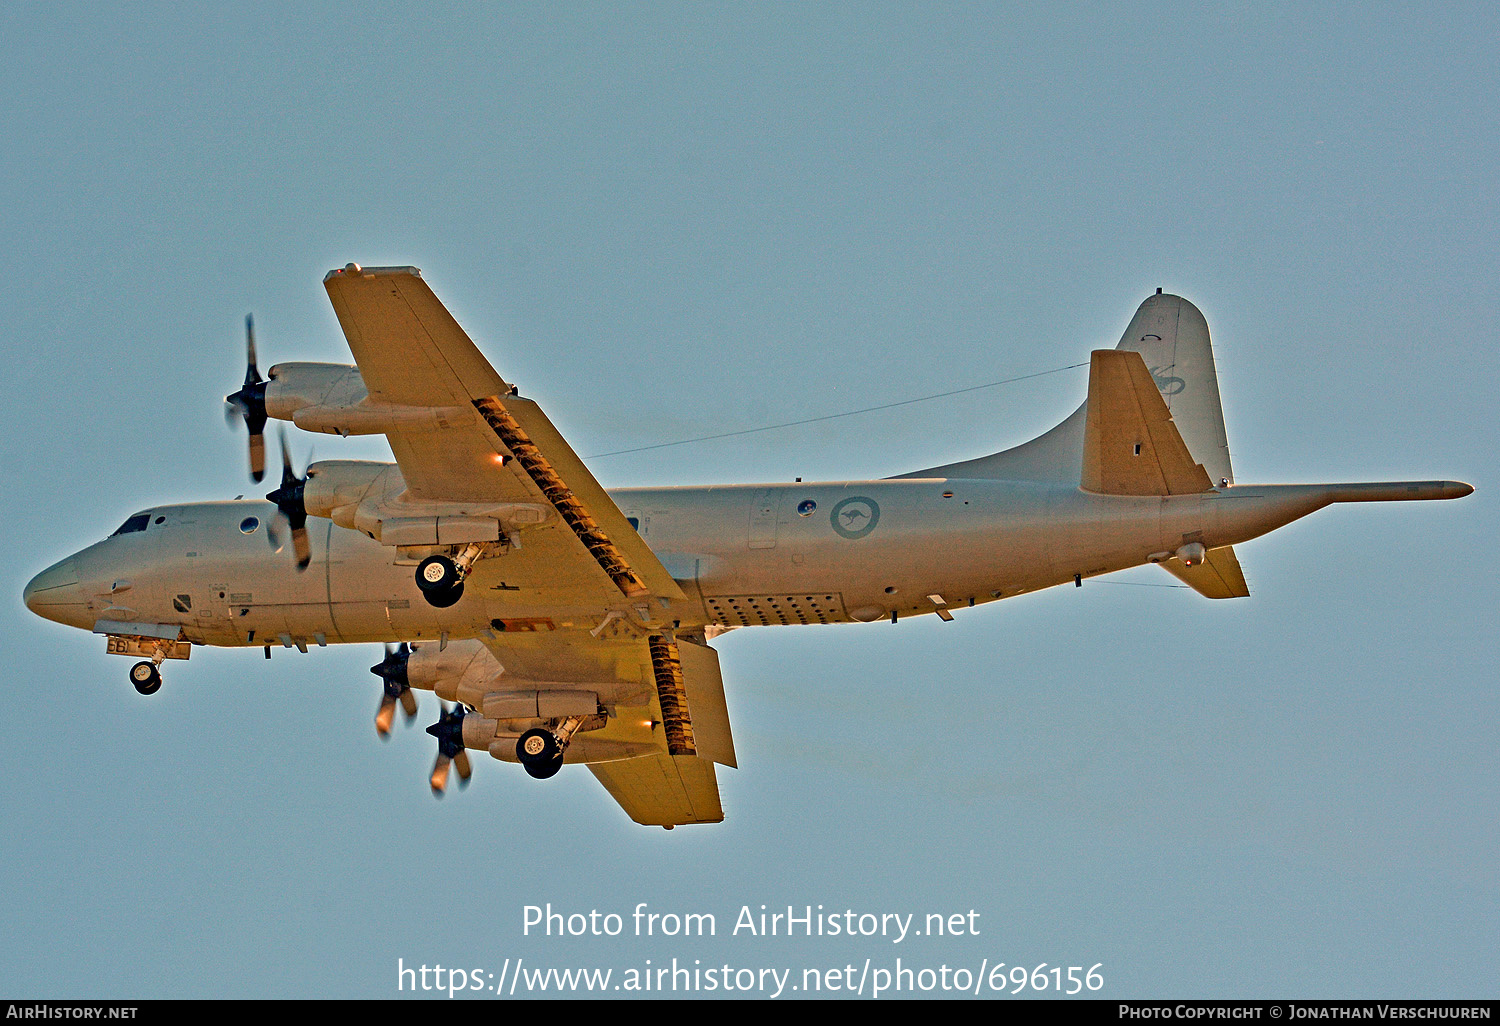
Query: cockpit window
point(135, 523)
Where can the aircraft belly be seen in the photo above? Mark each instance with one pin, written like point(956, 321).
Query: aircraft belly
point(1097, 534)
point(372, 598)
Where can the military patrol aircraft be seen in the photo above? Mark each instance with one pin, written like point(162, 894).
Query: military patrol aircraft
point(568, 624)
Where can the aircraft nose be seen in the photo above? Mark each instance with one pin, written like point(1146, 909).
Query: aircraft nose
point(54, 593)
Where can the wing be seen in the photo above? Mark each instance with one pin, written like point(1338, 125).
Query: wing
point(461, 435)
point(669, 726)
point(489, 445)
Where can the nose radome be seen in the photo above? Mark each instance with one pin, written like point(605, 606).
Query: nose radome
point(52, 589)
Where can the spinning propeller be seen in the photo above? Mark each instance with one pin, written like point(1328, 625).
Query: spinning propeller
point(250, 403)
point(449, 731)
point(290, 507)
point(392, 672)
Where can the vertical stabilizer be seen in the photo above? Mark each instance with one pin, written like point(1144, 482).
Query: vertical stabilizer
point(1131, 445)
point(1172, 337)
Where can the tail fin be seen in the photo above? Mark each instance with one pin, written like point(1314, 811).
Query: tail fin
point(1131, 445)
point(1172, 337)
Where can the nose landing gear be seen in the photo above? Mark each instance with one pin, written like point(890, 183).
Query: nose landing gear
point(146, 677)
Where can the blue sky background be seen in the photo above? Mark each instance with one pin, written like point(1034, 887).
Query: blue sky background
point(670, 221)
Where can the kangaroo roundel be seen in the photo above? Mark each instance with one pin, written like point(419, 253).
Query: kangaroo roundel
point(855, 516)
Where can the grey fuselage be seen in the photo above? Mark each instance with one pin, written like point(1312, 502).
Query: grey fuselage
point(744, 555)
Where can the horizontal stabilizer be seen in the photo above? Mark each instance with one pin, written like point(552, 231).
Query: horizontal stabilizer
point(1218, 577)
point(663, 790)
point(1130, 444)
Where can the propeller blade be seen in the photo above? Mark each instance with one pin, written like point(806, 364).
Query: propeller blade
point(392, 673)
point(274, 526)
point(249, 404)
point(257, 456)
point(439, 778)
point(302, 546)
point(449, 732)
point(461, 760)
point(252, 373)
point(385, 716)
point(288, 498)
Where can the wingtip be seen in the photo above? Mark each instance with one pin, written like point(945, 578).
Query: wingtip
point(353, 270)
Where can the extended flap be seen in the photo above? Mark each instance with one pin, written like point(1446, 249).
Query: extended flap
point(704, 685)
point(663, 790)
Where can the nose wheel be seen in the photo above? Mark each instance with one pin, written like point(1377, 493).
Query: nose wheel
point(146, 677)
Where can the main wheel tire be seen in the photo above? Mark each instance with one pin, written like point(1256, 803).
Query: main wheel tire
point(437, 574)
point(538, 747)
point(444, 599)
point(543, 770)
point(146, 677)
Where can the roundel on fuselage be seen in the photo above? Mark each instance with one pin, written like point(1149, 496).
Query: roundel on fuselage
point(854, 517)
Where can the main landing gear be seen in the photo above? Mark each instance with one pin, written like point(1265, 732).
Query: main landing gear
point(146, 677)
point(540, 753)
point(442, 579)
point(441, 583)
point(541, 750)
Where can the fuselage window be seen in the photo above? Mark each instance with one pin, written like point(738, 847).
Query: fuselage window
point(135, 523)
point(249, 524)
point(183, 603)
point(634, 522)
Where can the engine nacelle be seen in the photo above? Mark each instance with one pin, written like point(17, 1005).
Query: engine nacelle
point(335, 485)
point(479, 732)
point(331, 398)
point(464, 665)
point(367, 497)
point(538, 705)
point(466, 671)
point(296, 386)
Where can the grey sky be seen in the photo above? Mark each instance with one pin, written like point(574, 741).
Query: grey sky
point(666, 221)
